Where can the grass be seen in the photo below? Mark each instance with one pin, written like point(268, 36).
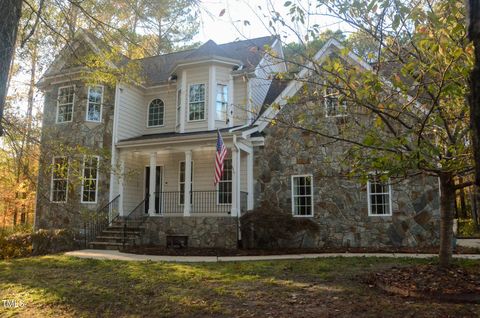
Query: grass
point(61, 286)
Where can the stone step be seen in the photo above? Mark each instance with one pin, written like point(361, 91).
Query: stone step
point(120, 232)
point(128, 228)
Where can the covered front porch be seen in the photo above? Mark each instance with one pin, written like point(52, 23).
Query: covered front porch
point(175, 177)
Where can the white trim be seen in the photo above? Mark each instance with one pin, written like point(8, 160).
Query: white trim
point(178, 108)
point(227, 104)
point(51, 179)
point(389, 199)
point(96, 180)
point(73, 103)
point(191, 181)
point(114, 141)
point(148, 113)
point(204, 103)
point(217, 190)
point(293, 195)
point(88, 104)
point(183, 109)
point(212, 96)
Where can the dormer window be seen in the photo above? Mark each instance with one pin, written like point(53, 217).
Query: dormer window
point(334, 106)
point(156, 112)
point(196, 102)
point(222, 102)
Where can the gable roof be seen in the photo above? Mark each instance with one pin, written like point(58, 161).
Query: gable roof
point(157, 69)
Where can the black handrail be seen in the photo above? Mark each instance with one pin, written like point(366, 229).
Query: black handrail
point(137, 217)
point(100, 220)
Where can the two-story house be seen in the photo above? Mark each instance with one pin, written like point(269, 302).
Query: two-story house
point(151, 151)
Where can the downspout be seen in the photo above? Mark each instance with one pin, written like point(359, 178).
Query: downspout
point(239, 233)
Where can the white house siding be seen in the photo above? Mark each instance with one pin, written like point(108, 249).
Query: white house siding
point(168, 94)
point(131, 119)
point(197, 75)
point(240, 101)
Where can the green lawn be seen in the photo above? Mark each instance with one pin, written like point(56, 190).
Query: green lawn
point(53, 286)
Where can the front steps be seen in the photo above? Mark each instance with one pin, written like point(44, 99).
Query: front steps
point(112, 238)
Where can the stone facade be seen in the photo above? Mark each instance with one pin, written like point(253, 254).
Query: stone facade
point(212, 232)
point(340, 203)
point(73, 140)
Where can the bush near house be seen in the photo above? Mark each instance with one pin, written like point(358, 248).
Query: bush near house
point(28, 243)
point(269, 226)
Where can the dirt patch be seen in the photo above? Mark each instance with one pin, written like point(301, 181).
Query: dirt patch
point(159, 250)
point(454, 284)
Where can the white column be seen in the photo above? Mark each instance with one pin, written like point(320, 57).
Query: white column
point(121, 187)
point(212, 89)
point(235, 184)
point(188, 183)
point(231, 107)
point(250, 180)
point(153, 170)
point(184, 100)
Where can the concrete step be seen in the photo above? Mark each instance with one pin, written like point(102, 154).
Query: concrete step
point(113, 232)
point(115, 239)
point(107, 245)
point(129, 228)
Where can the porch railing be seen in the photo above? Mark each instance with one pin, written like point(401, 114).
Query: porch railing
point(202, 202)
point(100, 220)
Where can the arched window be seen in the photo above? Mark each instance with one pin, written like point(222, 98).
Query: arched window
point(156, 110)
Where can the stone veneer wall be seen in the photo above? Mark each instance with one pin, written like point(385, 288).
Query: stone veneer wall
point(71, 139)
point(211, 232)
point(340, 204)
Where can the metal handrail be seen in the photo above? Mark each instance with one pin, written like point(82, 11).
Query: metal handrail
point(100, 220)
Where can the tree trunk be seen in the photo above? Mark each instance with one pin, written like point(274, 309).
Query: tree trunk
point(10, 12)
point(475, 195)
point(474, 98)
point(447, 201)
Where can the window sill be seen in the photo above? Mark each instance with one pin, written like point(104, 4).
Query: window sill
point(302, 216)
point(157, 126)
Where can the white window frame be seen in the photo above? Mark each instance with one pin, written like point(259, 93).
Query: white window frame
point(205, 92)
point(294, 196)
point(369, 200)
point(148, 114)
point(58, 104)
point(52, 179)
point(96, 180)
point(178, 108)
point(220, 102)
point(223, 181)
point(180, 182)
point(327, 96)
point(88, 104)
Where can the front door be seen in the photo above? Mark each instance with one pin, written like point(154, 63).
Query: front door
point(158, 188)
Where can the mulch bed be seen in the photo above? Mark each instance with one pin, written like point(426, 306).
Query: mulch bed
point(453, 284)
point(159, 250)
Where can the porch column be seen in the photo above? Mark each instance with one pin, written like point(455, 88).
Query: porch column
point(250, 180)
point(153, 170)
point(121, 186)
point(188, 183)
point(212, 97)
point(235, 179)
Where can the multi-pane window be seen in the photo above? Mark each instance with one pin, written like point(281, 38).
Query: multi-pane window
point(65, 100)
point(225, 184)
point(334, 106)
point(302, 195)
point(179, 106)
point(196, 102)
point(156, 111)
point(59, 179)
point(182, 182)
point(90, 179)
point(94, 104)
point(379, 196)
point(222, 102)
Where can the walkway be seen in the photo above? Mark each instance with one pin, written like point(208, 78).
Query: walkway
point(116, 255)
point(475, 243)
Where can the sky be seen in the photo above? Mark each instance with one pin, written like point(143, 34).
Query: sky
point(231, 27)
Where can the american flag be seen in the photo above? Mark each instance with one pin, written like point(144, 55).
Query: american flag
point(219, 158)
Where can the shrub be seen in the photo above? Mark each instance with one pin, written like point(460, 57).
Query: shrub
point(269, 226)
point(23, 244)
point(467, 228)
